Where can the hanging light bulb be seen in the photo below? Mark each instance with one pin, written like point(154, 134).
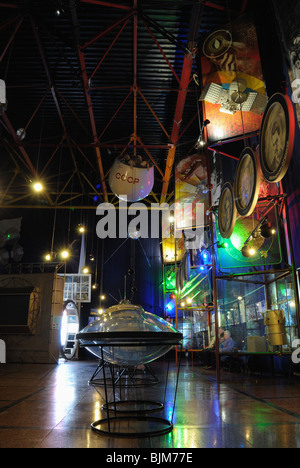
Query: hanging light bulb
point(37, 186)
point(65, 254)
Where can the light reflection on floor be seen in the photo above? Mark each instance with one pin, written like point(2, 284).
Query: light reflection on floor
point(54, 406)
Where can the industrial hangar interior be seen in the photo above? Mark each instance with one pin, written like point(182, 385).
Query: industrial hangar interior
point(149, 229)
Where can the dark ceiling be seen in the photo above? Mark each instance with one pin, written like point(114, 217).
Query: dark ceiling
point(92, 81)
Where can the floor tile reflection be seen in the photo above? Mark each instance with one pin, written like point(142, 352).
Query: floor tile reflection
point(48, 406)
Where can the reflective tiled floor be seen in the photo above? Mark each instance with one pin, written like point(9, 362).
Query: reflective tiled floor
point(46, 406)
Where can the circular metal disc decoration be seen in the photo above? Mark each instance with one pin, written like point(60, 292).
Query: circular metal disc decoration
point(247, 183)
point(277, 137)
point(227, 211)
point(217, 43)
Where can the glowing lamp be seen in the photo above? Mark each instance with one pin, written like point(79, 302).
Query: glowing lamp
point(247, 251)
point(65, 254)
point(266, 230)
point(224, 245)
point(37, 186)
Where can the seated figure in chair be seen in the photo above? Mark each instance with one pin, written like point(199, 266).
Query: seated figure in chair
point(226, 346)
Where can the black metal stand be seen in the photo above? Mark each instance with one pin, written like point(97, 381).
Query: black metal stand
point(131, 376)
point(130, 424)
point(112, 424)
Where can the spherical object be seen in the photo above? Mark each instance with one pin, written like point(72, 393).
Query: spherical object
point(130, 183)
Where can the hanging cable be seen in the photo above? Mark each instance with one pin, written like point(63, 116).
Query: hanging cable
point(55, 211)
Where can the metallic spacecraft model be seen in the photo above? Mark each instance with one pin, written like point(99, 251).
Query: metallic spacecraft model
point(127, 335)
point(131, 179)
point(234, 97)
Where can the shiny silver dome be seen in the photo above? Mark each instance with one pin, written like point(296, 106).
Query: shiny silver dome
point(129, 336)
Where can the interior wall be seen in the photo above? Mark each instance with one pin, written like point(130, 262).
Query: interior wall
point(44, 345)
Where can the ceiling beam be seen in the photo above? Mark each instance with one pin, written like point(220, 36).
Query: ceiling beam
point(92, 120)
point(195, 22)
point(53, 92)
point(107, 4)
point(8, 5)
point(12, 132)
point(88, 98)
point(184, 83)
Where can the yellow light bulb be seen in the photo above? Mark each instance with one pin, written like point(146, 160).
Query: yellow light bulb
point(65, 254)
point(38, 187)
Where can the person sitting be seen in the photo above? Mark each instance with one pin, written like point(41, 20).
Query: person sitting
point(226, 347)
point(228, 344)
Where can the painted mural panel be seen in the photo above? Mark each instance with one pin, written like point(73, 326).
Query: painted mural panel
point(233, 90)
point(288, 18)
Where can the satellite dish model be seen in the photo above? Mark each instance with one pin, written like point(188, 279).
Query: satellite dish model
point(129, 336)
point(277, 137)
point(247, 182)
point(131, 179)
point(227, 211)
